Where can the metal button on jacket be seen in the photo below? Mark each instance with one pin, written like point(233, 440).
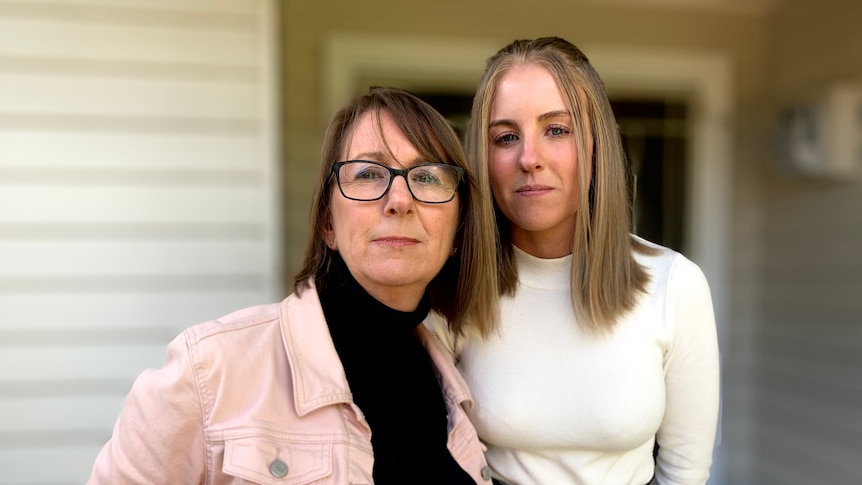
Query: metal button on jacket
point(278, 468)
point(486, 473)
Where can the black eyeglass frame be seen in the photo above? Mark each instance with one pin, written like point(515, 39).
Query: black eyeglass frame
point(394, 172)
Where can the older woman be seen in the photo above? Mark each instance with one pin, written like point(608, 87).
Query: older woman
point(606, 343)
point(338, 383)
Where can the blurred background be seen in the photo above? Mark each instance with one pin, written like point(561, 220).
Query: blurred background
point(157, 159)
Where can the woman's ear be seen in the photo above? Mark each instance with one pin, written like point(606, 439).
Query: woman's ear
point(329, 237)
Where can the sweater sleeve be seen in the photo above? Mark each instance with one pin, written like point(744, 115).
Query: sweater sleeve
point(687, 434)
point(158, 437)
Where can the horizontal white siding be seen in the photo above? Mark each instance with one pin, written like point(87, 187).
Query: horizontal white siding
point(142, 40)
point(201, 153)
point(42, 316)
point(41, 414)
point(138, 196)
point(130, 258)
point(37, 94)
point(76, 362)
point(160, 204)
point(26, 465)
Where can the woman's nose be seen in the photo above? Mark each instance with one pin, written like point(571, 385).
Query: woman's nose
point(399, 199)
point(530, 158)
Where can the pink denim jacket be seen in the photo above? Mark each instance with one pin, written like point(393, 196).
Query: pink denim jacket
point(260, 396)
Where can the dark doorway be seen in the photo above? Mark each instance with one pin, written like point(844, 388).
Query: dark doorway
point(655, 140)
point(454, 106)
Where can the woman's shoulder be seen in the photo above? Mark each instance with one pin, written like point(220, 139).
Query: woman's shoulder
point(245, 320)
point(649, 252)
point(257, 318)
point(653, 255)
point(223, 350)
point(666, 265)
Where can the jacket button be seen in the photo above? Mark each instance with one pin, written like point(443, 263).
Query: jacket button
point(278, 468)
point(486, 472)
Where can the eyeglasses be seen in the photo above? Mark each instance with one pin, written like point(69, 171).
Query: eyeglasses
point(431, 183)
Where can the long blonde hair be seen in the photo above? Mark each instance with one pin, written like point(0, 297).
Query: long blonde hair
point(606, 278)
point(465, 291)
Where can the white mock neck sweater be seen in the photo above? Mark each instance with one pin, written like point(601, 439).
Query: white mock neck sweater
point(556, 405)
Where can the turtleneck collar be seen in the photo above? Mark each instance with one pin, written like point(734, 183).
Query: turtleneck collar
point(543, 273)
point(346, 304)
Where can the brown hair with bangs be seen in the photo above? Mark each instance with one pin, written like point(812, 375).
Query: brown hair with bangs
point(465, 291)
point(606, 278)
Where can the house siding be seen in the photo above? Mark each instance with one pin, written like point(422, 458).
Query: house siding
point(138, 195)
point(809, 341)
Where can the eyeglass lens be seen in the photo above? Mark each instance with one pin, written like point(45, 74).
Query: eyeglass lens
point(370, 181)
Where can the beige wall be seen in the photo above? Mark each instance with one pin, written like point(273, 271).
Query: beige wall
point(740, 37)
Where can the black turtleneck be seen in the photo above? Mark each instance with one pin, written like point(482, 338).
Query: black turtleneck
point(393, 383)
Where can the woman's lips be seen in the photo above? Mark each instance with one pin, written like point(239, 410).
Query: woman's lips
point(533, 190)
point(396, 242)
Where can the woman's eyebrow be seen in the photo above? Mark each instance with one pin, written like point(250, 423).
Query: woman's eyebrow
point(372, 156)
point(554, 114)
point(386, 159)
point(496, 123)
point(542, 117)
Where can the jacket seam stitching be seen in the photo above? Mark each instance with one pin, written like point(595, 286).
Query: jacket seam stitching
point(204, 403)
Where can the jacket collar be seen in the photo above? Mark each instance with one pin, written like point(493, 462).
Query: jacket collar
point(317, 374)
point(316, 371)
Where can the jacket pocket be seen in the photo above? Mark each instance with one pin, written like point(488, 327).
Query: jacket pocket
point(268, 461)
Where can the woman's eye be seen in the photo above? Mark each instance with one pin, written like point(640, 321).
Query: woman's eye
point(505, 138)
point(426, 178)
point(556, 131)
point(369, 174)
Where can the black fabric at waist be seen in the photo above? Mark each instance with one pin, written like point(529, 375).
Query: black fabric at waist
point(500, 482)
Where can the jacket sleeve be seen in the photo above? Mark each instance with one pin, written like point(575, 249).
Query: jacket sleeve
point(158, 437)
point(687, 434)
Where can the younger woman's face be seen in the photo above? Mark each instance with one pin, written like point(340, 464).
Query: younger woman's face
point(533, 160)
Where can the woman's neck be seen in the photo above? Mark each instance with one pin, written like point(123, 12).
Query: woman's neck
point(546, 244)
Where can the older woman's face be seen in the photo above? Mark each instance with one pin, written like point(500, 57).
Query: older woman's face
point(393, 246)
